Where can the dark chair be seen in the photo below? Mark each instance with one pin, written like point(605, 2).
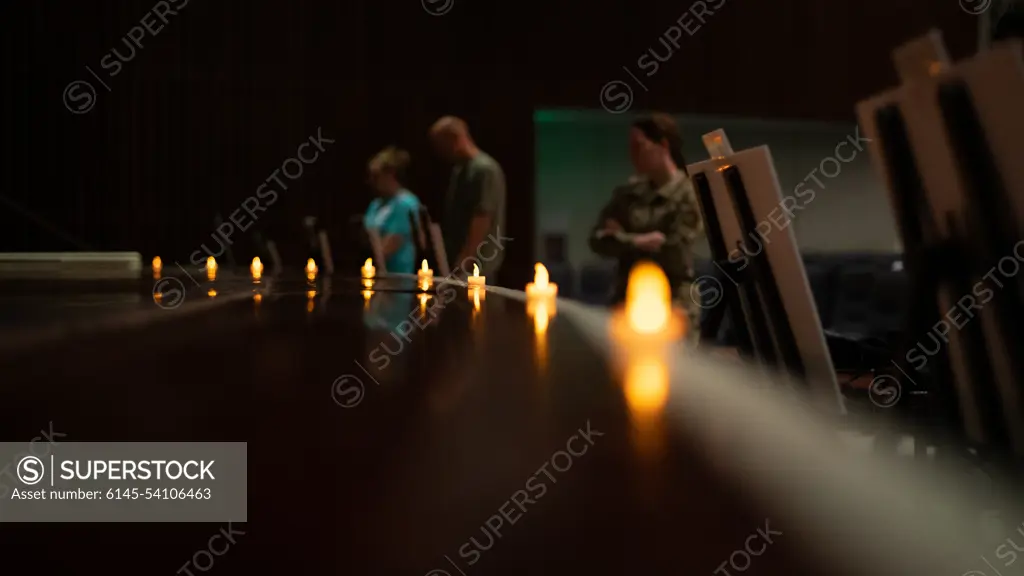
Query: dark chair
point(869, 298)
point(597, 281)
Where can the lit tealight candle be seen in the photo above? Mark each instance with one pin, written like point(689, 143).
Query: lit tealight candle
point(541, 287)
point(476, 280)
point(211, 268)
point(368, 270)
point(158, 266)
point(256, 268)
point(648, 312)
point(425, 276)
point(644, 332)
point(311, 270)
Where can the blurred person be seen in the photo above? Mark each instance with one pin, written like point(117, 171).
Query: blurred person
point(393, 212)
point(474, 208)
point(655, 215)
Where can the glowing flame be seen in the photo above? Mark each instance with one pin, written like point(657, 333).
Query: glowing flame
point(476, 271)
point(211, 264)
point(540, 276)
point(158, 264)
point(368, 270)
point(256, 268)
point(426, 276)
point(648, 299)
point(541, 287)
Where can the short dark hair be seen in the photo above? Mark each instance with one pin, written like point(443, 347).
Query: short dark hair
point(660, 127)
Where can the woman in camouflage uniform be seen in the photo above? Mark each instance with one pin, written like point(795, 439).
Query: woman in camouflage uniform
point(655, 216)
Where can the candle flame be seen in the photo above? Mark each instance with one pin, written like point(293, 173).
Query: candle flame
point(211, 264)
point(476, 271)
point(540, 276)
point(157, 264)
point(423, 267)
point(256, 268)
point(369, 264)
point(310, 266)
point(648, 299)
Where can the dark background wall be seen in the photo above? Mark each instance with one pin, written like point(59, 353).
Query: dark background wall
point(210, 106)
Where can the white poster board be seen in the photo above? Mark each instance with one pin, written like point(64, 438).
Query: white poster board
point(995, 79)
point(766, 200)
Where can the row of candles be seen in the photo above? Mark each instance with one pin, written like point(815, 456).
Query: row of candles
point(648, 310)
point(642, 331)
point(255, 269)
point(647, 314)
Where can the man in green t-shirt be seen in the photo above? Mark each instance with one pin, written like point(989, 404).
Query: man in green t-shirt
point(474, 211)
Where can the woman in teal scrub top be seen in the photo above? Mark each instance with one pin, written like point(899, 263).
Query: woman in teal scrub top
point(395, 209)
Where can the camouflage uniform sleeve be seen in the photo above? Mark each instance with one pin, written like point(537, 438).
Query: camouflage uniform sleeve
point(612, 245)
point(684, 224)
